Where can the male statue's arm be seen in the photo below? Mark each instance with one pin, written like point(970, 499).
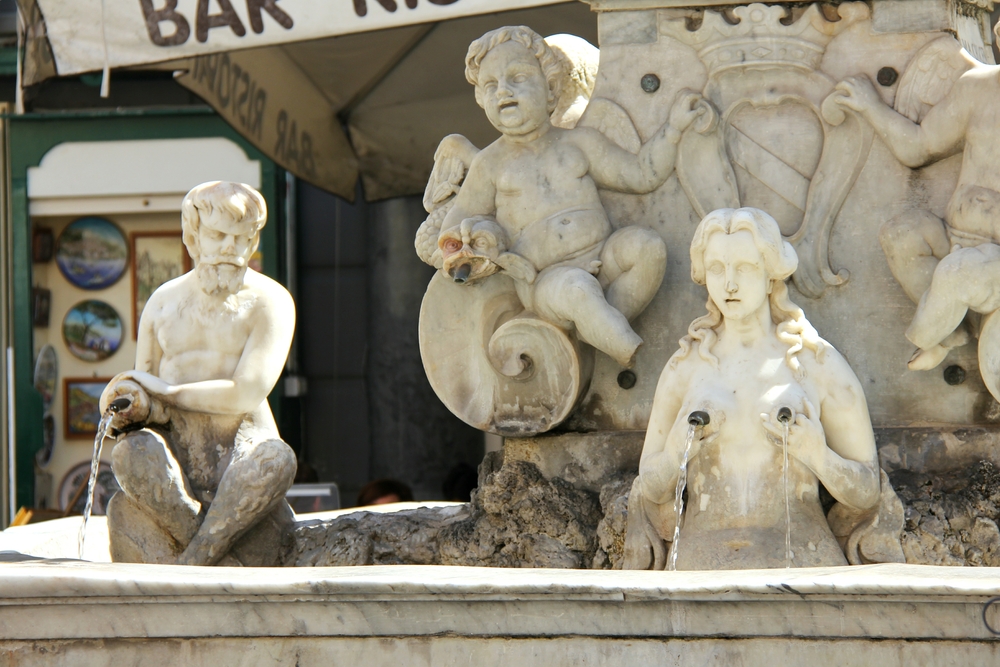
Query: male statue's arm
point(256, 373)
point(940, 134)
point(614, 168)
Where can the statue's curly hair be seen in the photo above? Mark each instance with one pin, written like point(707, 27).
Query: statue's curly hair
point(780, 262)
point(242, 202)
point(529, 39)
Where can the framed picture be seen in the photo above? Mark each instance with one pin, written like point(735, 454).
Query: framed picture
point(92, 330)
point(156, 258)
point(92, 253)
point(82, 411)
point(41, 303)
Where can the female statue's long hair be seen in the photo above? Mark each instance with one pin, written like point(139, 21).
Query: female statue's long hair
point(780, 261)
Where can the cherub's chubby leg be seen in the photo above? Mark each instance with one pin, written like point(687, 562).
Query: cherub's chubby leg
point(633, 262)
point(254, 484)
point(156, 509)
point(571, 297)
point(967, 279)
point(914, 243)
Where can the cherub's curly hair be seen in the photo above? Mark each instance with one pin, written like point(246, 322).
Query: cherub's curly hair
point(780, 262)
point(529, 39)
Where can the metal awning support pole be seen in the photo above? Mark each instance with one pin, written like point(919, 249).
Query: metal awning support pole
point(8, 501)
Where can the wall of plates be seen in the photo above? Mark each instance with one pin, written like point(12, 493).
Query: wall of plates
point(92, 276)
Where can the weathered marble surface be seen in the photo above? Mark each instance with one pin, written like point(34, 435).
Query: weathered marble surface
point(501, 652)
point(202, 467)
point(91, 614)
point(758, 138)
point(527, 206)
point(751, 416)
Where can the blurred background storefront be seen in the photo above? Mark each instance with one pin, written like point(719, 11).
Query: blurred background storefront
point(340, 143)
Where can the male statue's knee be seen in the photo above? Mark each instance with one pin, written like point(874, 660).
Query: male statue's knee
point(133, 454)
point(276, 456)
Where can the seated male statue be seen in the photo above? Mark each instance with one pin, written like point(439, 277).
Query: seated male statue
point(540, 184)
point(202, 468)
point(952, 267)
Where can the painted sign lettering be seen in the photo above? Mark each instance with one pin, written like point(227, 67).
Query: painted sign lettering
point(137, 32)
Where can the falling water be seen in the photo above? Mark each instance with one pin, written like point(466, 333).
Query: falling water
point(696, 420)
point(785, 416)
point(102, 431)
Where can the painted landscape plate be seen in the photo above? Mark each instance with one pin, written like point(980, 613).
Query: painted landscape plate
point(92, 253)
point(92, 330)
point(78, 476)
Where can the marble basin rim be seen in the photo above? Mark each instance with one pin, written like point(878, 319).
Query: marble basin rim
point(69, 578)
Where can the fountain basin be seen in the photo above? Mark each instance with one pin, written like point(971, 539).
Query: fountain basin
point(82, 613)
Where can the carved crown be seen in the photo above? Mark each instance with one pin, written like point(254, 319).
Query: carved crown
point(765, 36)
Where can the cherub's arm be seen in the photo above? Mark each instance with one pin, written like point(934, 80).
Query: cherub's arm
point(941, 133)
point(478, 193)
point(256, 373)
point(660, 464)
point(614, 168)
point(837, 443)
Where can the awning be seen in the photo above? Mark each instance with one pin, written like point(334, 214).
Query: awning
point(329, 89)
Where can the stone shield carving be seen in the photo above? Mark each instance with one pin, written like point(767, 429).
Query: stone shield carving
point(780, 144)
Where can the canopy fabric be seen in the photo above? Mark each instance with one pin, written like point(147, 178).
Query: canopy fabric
point(372, 105)
point(87, 35)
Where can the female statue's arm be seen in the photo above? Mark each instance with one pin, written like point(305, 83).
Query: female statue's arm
point(659, 465)
point(836, 442)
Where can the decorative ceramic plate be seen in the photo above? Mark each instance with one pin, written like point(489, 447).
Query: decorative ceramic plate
point(78, 475)
point(92, 330)
point(92, 253)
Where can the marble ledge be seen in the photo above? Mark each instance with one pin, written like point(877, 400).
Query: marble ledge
point(64, 600)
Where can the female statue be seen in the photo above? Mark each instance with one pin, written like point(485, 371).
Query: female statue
point(751, 355)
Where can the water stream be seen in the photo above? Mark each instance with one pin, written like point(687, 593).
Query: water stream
point(679, 497)
point(696, 420)
point(102, 431)
point(785, 416)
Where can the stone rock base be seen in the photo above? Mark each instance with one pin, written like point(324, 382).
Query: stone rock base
point(562, 502)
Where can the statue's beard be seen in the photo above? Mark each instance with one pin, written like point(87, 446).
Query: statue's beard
point(220, 279)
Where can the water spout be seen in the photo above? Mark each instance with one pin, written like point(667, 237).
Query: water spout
point(461, 273)
point(699, 418)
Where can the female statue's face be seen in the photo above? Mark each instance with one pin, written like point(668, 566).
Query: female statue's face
point(735, 275)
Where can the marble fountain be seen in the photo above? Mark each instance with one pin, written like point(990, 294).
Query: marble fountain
point(809, 475)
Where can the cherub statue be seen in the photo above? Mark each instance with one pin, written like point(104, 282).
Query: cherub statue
point(539, 183)
point(202, 468)
point(948, 267)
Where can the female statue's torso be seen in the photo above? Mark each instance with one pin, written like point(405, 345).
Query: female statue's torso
point(735, 511)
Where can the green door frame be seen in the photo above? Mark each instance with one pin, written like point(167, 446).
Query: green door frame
point(31, 137)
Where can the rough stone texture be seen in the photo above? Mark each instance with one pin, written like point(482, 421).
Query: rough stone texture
point(517, 518)
point(586, 460)
point(951, 517)
point(367, 538)
point(611, 529)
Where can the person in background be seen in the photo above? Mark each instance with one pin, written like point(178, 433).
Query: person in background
point(384, 491)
